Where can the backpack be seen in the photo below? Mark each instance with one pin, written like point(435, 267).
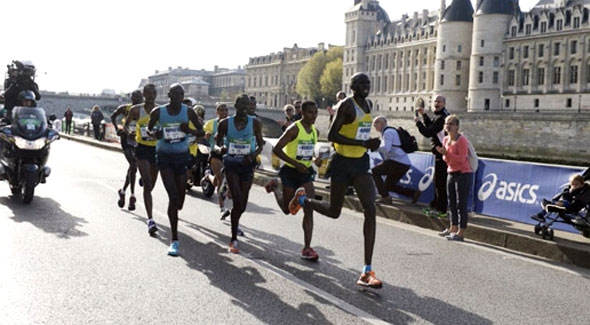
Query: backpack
point(472, 156)
point(408, 141)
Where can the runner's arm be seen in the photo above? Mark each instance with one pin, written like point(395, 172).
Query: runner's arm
point(286, 137)
point(259, 139)
point(198, 124)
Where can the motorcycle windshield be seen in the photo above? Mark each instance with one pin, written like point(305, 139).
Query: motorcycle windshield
point(29, 122)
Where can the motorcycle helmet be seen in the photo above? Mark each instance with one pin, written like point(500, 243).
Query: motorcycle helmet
point(200, 110)
point(27, 95)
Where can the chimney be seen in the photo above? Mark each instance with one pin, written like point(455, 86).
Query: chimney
point(215, 68)
point(424, 16)
point(404, 20)
point(443, 6)
point(415, 16)
point(321, 46)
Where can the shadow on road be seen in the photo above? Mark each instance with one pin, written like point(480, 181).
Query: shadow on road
point(45, 214)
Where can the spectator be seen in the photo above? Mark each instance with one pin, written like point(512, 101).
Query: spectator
point(455, 150)
point(573, 198)
point(394, 166)
point(433, 129)
point(68, 115)
point(96, 118)
point(332, 111)
point(289, 115)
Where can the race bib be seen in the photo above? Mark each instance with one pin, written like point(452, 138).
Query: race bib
point(173, 134)
point(239, 147)
point(363, 131)
point(144, 134)
point(305, 151)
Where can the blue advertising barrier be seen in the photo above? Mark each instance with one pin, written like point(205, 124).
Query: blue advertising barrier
point(514, 190)
point(504, 189)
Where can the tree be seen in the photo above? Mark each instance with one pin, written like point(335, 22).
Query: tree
point(331, 80)
point(308, 80)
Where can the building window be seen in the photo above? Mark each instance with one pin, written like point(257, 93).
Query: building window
point(511, 53)
point(496, 61)
point(568, 103)
point(458, 65)
point(458, 80)
point(536, 102)
point(543, 27)
point(513, 31)
point(588, 73)
point(442, 64)
point(459, 48)
point(444, 48)
point(507, 103)
point(496, 77)
point(510, 77)
point(528, 29)
point(559, 24)
point(442, 79)
point(556, 75)
point(541, 76)
point(577, 22)
point(573, 47)
point(574, 74)
point(486, 104)
point(481, 60)
point(556, 49)
point(541, 51)
point(482, 43)
point(525, 77)
point(481, 77)
point(525, 52)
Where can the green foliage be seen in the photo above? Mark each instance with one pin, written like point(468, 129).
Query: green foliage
point(322, 66)
point(331, 79)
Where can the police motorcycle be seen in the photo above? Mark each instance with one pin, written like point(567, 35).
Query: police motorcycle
point(199, 169)
point(25, 147)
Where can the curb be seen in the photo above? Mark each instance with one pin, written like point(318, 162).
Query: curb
point(487, 230)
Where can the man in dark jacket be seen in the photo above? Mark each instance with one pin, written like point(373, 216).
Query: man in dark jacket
point(434, 129)
point(96, 118)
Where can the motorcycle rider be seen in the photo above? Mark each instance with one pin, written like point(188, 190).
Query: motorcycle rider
point(20, 78)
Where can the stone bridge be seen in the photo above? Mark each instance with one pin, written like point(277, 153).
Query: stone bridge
point(56, 103)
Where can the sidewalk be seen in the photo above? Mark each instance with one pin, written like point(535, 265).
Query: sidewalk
point(567, 247)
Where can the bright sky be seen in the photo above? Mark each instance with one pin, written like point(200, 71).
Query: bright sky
point(85, 46)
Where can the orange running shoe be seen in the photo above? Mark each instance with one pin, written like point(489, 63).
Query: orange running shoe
point(369, 280)
point(294, 205)
point(270, 186)
point(233, 247)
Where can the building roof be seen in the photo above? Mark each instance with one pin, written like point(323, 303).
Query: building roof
point(459, 10)
point(195, 82)
point(503, 7)
point(372, 5)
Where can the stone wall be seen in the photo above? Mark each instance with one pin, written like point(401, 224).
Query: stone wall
point(557, 138)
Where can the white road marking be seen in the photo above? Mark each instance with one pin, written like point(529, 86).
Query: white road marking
point(371, 319)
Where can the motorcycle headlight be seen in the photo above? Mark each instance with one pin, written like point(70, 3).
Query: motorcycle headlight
point(29, 145)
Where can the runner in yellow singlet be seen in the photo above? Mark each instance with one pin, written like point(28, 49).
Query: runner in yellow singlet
point(350, 133)
point(296, 148)
point(145, 152)
point(128, 144)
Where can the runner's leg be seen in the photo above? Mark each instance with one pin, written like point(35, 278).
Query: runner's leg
point(334, 207)
point(365, 189)
point(233, 182)
point(169, 180)
point(307, 215)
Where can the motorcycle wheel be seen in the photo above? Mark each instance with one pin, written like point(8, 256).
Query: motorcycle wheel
point(29, 190)
point(208, 188)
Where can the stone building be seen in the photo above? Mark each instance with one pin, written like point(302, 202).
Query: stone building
point(493, 57)
point(227, 82)
point(272, 78)
point(163, 79)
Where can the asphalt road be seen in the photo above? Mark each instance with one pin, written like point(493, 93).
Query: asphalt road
point(74, 257)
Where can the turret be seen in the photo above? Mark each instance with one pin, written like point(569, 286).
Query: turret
point(490, 24)
point(453, 51)
point(363, 20)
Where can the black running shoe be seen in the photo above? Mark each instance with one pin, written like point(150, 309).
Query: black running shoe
point(121, 202)
point(132, 203)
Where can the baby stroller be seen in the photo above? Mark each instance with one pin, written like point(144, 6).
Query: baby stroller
point(579, 220)
point(571, 206)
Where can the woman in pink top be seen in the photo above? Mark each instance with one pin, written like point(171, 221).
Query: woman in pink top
point(460, 177)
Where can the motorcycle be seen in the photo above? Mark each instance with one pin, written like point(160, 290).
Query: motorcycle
point(199, 169)
point(24, 151)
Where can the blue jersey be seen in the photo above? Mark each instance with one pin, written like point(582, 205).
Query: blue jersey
point(173, 140)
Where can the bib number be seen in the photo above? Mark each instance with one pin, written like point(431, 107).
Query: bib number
point(144, 134)
point(363, 131)
point(173, 134)
point(305, 151)
point(239, 148)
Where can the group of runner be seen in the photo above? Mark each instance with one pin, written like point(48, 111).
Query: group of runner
point(161, 145)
